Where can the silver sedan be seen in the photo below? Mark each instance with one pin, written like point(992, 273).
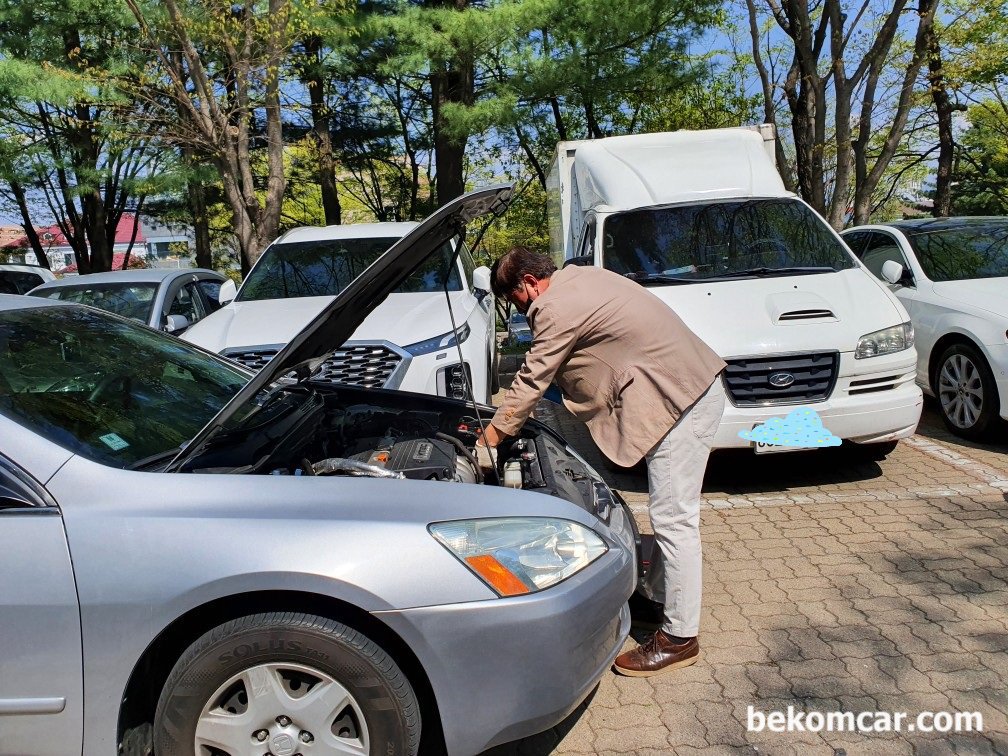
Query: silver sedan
point(206, 561)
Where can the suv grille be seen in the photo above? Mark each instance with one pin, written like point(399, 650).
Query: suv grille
point(748, 384)
point(252, 359)
point(367, 365)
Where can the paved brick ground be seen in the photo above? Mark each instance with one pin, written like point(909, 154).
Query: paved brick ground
point(831, 583)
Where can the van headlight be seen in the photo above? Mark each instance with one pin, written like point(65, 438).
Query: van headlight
point(886, 341)
point(517, 555)
point(444, 341)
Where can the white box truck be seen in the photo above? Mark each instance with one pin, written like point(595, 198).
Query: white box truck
point(702, 219)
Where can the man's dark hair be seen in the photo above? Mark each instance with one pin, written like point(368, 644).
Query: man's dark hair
point(507, 271)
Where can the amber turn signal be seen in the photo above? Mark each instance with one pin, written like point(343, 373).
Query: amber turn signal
point(500, 578)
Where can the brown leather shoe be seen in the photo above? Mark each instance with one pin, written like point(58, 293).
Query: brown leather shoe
point(656, 655)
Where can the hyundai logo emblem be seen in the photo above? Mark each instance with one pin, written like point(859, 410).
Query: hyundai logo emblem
point(781, 380)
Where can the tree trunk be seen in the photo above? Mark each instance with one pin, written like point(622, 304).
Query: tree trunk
point(315, 83)
point(201, 223)
point(26, 223)
point(451, 82)
point(946, 141)
point(448, 86)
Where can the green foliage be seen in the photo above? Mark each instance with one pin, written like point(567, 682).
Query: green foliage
point(982, 166)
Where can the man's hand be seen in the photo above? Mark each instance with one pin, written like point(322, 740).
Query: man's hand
point(484, 457)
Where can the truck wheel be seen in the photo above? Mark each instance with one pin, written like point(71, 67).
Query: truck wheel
point(285, 683)
point(967, 394)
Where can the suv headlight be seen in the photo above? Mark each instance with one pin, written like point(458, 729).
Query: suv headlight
point(886, 341)
point(517, 555)
point(443, 341)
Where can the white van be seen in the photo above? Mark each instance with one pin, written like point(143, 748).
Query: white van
point(703, 220)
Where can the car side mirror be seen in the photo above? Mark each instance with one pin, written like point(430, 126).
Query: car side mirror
point(227, 293)
point(892, 272)
point(177, 323)
point(481, 278)
point(587, 260)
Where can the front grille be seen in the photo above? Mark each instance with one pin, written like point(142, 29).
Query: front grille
point(747, 381)
point(367, 365)
point(254, 359)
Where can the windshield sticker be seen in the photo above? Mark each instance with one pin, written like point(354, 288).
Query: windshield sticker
point(802, 428)
point(113, 441)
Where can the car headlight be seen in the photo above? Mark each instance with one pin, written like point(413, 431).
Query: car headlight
point(517, 555)
point(443, 341)
point(886, 341)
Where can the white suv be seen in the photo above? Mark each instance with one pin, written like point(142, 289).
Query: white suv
point(406, 343)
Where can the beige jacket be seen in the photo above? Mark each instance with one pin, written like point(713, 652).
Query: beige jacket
point(627, 364)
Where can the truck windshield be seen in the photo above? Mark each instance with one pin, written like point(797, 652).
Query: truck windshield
point(325, 268)
point(728, 239)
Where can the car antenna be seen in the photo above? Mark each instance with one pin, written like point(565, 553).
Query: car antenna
point(461, 234)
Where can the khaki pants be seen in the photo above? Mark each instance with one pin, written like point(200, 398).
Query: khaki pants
point(676, 468)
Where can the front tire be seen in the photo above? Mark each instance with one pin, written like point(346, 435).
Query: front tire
point(282, 682)
point(966, 392)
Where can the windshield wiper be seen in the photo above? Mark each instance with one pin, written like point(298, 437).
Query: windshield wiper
point(165, 456)
point(645, 279)
point(769, 272)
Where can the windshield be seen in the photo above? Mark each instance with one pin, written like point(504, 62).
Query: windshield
point(325, 268)
point(958, 254)
point(717, 239)
point(131, 300)
point(104, 388)
point(518, 319)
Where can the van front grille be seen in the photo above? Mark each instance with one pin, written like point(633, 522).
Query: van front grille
point(784, 379)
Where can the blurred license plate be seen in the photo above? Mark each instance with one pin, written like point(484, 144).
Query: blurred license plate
point(761, 448)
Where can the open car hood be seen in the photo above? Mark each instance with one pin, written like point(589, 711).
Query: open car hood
point(327, 332)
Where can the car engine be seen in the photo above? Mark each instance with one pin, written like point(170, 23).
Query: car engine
point(394, 440)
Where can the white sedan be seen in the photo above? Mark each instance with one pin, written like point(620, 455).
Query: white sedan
point(951, 274)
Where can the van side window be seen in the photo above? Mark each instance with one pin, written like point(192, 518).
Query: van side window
point(880, 248)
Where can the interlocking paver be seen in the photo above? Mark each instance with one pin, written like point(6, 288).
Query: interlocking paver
point(829, 584)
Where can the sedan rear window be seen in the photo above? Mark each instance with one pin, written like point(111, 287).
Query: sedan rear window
point(131, 300)
point(107, 389)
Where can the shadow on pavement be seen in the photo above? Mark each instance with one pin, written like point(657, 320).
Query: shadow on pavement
point(740, 471)
point(544, 742)
point(932, 427)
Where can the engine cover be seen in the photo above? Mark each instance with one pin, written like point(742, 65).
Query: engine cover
point(418, 458)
